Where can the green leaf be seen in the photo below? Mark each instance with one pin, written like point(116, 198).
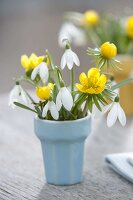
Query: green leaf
point(100, 96)
point(80, 97)
point(90, 103)
point(54, 93)
point(32, 100)
point(70, 113)
point(38, 111)
point(28, 73)
point(96, 102)
point(24, 107)
point(109, 95)
point(81, 101)
point(122, 83)
point(101, 63)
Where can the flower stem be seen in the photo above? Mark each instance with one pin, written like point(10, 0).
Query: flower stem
point(85, 108)
point(72, 81)
point(55, 71)
point(26, 80)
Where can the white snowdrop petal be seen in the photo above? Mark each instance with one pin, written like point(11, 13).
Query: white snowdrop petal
point(64, 34)
point(25, 98)
point(14, 95)
point(43, 72)
point(69, 59)
point(53, 110)
point(106, 108)
point(72, 33)
point(112, 115)
point(11, 97)
point(66, 98)
point(34, 72)
point(79, 37)
point(63, 62)
point(45, 110)
point(121, 115)
point(58, 101)
point(76, 59)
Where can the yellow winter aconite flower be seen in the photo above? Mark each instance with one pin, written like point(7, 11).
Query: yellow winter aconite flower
point(129, 27)
point(92, 83)
point(31, 62)
point(44, 92)
point(90, 18)
point(108, 50)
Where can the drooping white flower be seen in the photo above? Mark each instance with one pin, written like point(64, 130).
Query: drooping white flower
point(64, 98)
point(17, 94)
point(51, 106)
point(42, 70)
point(69, 58)
point(115, 112)
point(70, 32)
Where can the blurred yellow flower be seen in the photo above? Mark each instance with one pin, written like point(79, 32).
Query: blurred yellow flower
point(90, 18)
point(44, 92)
point(129, 27)
point(92, 83)
point(31, 62)
point(108, 50)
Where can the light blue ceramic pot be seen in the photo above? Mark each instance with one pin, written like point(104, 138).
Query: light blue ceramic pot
point(63, 148)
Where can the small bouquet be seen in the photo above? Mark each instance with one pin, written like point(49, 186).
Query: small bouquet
point(90, 27)
point(56, 100)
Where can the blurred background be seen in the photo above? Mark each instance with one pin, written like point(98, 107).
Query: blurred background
point(28, 26)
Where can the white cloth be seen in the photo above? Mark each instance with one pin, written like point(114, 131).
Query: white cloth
point(121, 164)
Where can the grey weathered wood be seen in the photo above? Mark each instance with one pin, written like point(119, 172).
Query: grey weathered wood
point(21, 166)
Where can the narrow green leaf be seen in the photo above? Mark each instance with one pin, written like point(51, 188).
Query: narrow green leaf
point(24, 107)
point(90, 103)
point(79, 98)
point(101, 63)
point(71, 114)
point(100, 96)
point(96, 102)
point(32, 100)
point(38, 111)
point(110, 92)
point(122, 83)
point(54, 93)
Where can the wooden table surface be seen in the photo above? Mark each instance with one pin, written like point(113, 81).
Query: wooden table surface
point(21, 166)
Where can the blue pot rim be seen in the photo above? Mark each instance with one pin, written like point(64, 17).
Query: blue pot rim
point(63, 122)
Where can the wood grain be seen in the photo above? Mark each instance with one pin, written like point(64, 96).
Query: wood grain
point(21, 166)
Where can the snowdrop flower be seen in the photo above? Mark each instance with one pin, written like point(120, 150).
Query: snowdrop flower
point(51, 106)
point(70, 32)
point(115, 112)
point(64, 98)
point(69, 58)
point(42, 70)
point(17, 94)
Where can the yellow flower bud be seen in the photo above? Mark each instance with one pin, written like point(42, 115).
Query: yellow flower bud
point(51, 86)
point(25, 62)
point(108, 50)
point(129, 27)
point(90, 18)
point(32, 61)
point(43, 92)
